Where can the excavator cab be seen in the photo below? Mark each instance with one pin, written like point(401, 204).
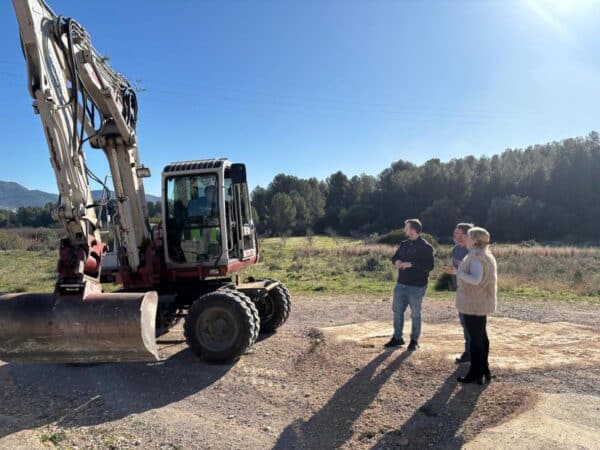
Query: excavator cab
point(207, 217)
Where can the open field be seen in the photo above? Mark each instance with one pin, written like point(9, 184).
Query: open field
point(323, 265)
point(345, 266)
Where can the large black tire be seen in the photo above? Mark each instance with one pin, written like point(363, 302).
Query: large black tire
point(274, 309)
point(221, 326)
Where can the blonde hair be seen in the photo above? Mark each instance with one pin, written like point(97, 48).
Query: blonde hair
point(480, 237)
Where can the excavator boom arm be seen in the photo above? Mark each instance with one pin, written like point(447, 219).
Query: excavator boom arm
point(79, 98)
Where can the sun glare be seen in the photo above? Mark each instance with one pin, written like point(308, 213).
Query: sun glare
point(556, 13)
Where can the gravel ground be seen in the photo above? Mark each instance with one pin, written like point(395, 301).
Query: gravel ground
point(295, 389)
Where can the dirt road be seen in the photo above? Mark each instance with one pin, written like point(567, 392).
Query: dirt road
point(323, 381)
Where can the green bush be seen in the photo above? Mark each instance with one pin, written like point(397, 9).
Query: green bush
point(443, 283)
point(373, 264)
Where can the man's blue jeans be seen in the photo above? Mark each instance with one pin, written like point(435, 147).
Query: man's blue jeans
point(461, 316)
point(405, 296)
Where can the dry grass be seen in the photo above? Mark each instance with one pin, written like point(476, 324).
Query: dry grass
point(346, 250)
point(502, 251)
point(27, 271)
point(542, 271)
point(30, 238)
point(346, 266)
point(351, 266)
point(369, 249)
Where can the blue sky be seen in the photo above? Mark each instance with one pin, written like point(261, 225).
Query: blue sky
point(307, 88)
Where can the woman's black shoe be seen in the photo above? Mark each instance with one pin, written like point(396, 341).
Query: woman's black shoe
point(468, 379)
point(412, 346)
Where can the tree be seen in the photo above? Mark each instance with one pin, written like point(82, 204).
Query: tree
point(255, 217)
point(515, 218)
point(7, 218)
point(30, 216)
point(154, 210)
point(260, 203)
point(282, 215)
point(338, 199)
point(302, 219)
point(359, 218)
point(315, 200)
point(441, 217)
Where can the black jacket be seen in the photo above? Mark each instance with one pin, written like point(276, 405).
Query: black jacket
point(418, 252)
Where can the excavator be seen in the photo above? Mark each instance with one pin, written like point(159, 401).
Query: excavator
point(183, 268)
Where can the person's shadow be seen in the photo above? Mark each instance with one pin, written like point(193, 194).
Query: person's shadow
point(40, 394)
point(436, 423)
point(331, 426)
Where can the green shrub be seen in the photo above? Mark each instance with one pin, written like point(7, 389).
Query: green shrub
point(394, 237)
point(443, 283)
point(373, 264)
point(55, 438)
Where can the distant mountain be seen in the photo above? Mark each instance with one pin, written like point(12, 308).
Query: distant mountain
point(13, 196)
point(152, 198)
point(149, 198)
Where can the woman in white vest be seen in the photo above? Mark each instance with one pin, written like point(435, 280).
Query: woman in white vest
point(476, 298)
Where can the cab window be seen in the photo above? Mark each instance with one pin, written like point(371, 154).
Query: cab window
point(193, 218)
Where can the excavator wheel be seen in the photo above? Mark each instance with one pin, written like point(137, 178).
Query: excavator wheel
point(221, 326)
point(274, 309)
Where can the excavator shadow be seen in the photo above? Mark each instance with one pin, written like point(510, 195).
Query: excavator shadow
point(34, 395)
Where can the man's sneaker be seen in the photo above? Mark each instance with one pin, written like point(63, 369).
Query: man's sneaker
point(464, 358)
point(394, 342)
point(412, 346)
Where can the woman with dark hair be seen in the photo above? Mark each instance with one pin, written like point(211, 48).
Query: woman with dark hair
point(476, 298)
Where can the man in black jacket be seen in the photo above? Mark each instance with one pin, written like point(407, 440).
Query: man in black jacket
point(414, 261)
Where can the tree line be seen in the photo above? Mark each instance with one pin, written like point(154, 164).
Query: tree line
point(548, 192)
point(41, 216)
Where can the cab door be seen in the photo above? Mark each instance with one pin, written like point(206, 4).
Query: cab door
point(245, 233)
